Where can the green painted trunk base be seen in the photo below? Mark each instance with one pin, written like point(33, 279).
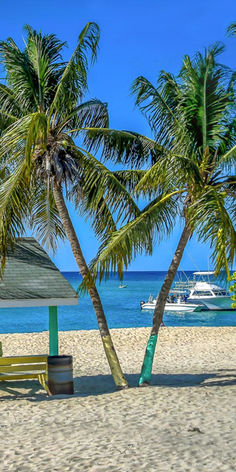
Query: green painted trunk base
point(146, 372)
point(53, 331)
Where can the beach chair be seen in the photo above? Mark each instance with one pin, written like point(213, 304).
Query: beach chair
point(25, 368)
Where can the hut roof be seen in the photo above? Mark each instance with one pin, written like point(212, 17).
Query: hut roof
point(31, 279)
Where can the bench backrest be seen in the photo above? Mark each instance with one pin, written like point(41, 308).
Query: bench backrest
point(24, 364)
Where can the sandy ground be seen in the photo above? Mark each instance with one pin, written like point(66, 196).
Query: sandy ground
point(184, 422)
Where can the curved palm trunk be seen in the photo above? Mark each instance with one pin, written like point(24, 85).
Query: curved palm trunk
point(146, 372)
point(112, 358)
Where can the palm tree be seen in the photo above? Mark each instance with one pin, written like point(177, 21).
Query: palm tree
point(187, 171)
point(40, 102)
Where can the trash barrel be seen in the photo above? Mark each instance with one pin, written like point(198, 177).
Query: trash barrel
point(60, 375)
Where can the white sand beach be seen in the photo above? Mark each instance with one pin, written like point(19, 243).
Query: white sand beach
point(184, 422)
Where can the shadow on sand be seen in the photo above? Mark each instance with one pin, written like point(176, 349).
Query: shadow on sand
point(103, 384)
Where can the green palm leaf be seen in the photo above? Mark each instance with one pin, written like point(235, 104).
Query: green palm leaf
point(44, 56)
point(9, 106)
point(14, 203)
point(130, 178)
point(101, 185)
point(92, 113)
point(137, 236)
point(213, 223)
point(121, 146)
point(159, 110)
point(73, 83)
point(44, 218)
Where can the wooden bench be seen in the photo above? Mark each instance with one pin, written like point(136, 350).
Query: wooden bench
point(25, 368)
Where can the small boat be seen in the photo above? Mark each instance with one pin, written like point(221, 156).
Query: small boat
point(122, 285)
point(174, 303)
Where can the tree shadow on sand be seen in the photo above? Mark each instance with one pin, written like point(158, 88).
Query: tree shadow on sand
point(103, 384)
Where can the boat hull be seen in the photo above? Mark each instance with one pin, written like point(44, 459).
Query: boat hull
point(214, 303)
point(184, 307)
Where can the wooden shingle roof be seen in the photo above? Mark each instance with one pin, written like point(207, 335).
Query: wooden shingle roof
point(31, 279)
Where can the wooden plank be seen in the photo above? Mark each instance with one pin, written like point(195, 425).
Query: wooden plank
point(26, 356)
point(23, 368)
point(25, 376)
point(22, 359)
point(43, 380)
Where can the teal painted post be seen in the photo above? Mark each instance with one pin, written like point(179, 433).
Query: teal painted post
point(53, 331)
point(146, 372)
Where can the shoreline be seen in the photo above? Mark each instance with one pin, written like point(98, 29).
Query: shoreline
point(127, 327)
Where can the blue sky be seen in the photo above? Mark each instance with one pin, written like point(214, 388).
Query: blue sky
point(137, 38)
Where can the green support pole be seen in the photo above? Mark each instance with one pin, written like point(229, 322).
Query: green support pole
point(53, 331)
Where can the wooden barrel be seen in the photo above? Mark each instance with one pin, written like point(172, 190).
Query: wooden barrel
point(60, 375)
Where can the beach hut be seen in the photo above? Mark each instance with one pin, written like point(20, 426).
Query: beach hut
point(31, 279)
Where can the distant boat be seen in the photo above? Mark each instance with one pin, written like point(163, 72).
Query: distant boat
point(122, 285)
point(175, 302)
point(201, 290)
point(194, 295)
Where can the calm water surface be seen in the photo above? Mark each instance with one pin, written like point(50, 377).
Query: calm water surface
point(122, 308)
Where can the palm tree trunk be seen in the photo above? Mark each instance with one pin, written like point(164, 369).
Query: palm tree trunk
point(146, 372)
point(109, 348)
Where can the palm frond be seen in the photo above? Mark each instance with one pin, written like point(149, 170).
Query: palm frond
point(24, 135)
point(5, 121)
point(205, 100)
point(14, 203)
point(44, 57)
point(228, 159)
point(73, 83)
point(44, 218)
point(129, 178)
point(231, 30)
point(213, 224)
point(158, 104)
point(92, 114)
point(170, 172)
point(229, 186)
point(36, 136)
point(136, 237)
point(227, 143)
point(19, 75)
point(100, 185)
point(121, 146)
point(8, 104)
point(99, 214)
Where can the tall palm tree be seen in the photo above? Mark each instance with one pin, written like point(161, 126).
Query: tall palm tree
point(187, 171)
point(40, 103)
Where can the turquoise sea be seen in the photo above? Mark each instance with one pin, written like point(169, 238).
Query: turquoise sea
point(122, 308)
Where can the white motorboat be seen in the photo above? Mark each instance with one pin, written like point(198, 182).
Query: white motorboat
point(173, 304)
point(205, 292)
point(122, 285)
